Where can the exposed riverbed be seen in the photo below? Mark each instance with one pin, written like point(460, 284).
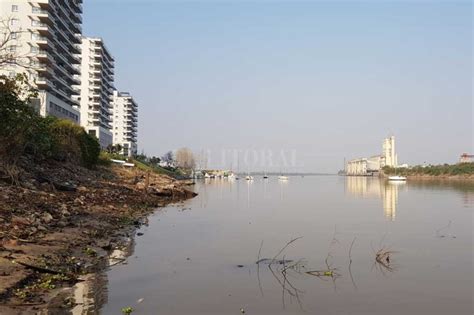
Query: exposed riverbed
point(199, 257)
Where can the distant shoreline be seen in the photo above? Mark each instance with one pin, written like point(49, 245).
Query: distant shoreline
point(442, 177)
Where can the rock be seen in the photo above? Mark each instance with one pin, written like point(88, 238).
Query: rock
point(11, 243)
point(41, 228)
point(140, 185)
point(29, 185)
point(82, 189)
point(46, 217)
point(45, 186)
point(20, 221)
point(66, 186)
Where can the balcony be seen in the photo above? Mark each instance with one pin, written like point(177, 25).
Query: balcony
point(43, 83)
point(40, 27)
point(43, 55)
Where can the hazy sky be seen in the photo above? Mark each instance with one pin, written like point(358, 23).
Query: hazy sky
point(318, 81)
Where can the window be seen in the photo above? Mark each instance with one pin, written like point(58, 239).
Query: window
point(13, 35)
point(14, 22)
point(14, 8)
point(34, 49)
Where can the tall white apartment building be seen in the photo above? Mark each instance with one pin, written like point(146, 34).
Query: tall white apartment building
point(45, 37)
point(125, 122)
point(97, 88)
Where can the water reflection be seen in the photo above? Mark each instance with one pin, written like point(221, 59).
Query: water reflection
point(370, 187)
point(204, 261)
point(464, 188)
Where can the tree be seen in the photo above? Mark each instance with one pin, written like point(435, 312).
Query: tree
point(24, 132)
point(12, 52)
point(185, 158)
point(168, 157)
point(154, 160)
point(114, 148)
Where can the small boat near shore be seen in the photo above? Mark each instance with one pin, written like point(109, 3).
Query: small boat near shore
point(248, 177)
point(282, 177)
point(397, 178)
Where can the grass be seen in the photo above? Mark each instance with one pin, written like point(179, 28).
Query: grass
point(157, 169)
point(105, 158)
point(433, 170)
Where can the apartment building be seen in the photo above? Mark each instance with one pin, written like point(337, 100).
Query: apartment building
point(45, 41)
point(97, 88)
point(125, 122)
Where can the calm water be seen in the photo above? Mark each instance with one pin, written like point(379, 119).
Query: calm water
point(187, 260)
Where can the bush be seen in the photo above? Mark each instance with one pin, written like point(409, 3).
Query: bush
point(24, 132)
point(22, 129)
point(90, 149)
point(73, 143)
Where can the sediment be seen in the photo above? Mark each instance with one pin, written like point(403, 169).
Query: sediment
point(59, 222)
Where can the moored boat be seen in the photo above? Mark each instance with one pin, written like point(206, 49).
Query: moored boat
point(397, 178)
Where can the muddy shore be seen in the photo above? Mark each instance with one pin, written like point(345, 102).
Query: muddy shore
point(60, 223)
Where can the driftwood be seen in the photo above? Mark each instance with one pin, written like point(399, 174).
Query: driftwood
point(36, 268)
point(56, 185)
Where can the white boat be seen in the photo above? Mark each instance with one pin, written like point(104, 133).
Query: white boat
point(282, 177)
point(397, 178)
point(248, 177)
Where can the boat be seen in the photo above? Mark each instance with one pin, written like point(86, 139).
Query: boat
point(265, 176)
point(397, 178)
point(248, 177)
point(282, 177)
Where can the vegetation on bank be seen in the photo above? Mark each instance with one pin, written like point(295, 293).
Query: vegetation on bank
point(144, 163)
point(25, 133)
point(433, 170)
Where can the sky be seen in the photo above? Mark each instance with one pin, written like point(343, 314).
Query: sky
point(294, 86)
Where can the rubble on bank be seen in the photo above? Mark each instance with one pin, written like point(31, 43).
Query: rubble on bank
point(59, 221)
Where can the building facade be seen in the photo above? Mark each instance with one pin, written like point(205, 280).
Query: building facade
point(45, 44)
point(357, 167)
point(125, 122)
point(388, 152)
point(372, 165)
point(97, 88)
point(466, 158)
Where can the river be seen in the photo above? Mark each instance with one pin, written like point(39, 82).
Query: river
point(199, 257)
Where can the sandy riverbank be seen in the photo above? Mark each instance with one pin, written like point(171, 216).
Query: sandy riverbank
point(61, 222)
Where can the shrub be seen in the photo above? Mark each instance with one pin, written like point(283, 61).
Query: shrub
point(90, 149)
point(24, 131)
